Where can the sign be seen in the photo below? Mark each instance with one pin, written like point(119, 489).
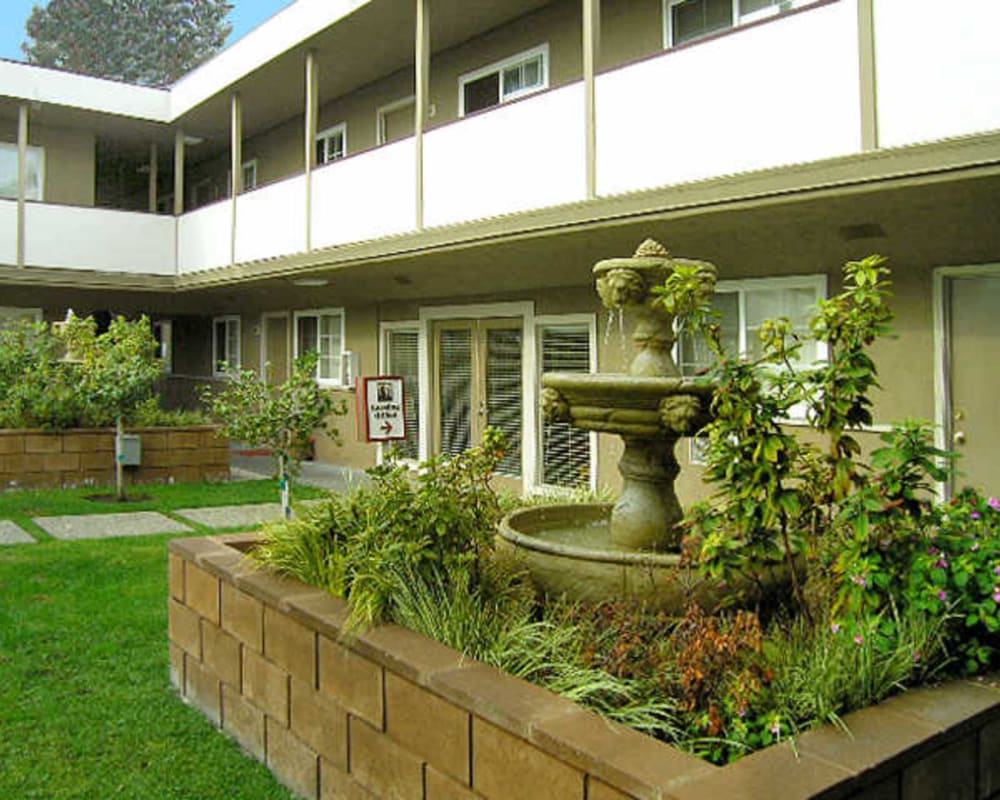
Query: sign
point(382, 407)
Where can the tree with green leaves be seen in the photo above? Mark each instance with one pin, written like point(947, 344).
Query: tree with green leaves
point(149, 42)
point(280, 417)
point(113, 372)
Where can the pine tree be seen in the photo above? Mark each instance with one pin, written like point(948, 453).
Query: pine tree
point(148, 42)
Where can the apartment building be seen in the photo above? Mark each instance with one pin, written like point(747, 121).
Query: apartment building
point(421, 189)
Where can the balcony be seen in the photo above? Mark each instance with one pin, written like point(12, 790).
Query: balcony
point(782, 91)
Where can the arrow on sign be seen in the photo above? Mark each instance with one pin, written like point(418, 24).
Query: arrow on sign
point(386, 427)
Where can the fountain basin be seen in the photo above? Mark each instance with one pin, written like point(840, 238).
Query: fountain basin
point(569, 553)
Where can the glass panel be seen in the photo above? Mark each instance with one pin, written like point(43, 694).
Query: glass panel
point(233, 343)
point(482, 93)
point(750, 6)
point(455, 390)
point(503, 392)
point(795, 304)
point(693, 353)
point(565, 450)
point(8, 172)
point(403, 361)
point(330, 347)
point(695, 18)
point(307, 335)
point(220, 346)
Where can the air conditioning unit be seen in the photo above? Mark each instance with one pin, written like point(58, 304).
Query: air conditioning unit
point(350, 368)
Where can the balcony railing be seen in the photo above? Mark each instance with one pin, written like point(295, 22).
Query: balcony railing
point(778, 92)
point(71, 237)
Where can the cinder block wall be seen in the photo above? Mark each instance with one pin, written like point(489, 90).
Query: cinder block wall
point(79, 457)
point(390, 714)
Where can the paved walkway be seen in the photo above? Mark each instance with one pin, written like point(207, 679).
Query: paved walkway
point(148, 523)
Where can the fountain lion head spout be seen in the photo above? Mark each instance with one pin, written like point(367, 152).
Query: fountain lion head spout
point(593, 552)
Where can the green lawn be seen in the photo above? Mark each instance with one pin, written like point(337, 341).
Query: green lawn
point(23, 504)
point(86, 710)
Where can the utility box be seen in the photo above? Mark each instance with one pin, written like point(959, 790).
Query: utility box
point(130, 454)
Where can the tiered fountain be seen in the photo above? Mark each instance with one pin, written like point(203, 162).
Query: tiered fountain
point(632, 549)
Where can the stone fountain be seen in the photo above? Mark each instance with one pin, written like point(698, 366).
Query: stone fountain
point(599, 552)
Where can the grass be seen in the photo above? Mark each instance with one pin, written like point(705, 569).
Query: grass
point(21, 505)
point(86, 710)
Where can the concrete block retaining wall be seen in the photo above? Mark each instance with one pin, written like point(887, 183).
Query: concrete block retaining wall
point(390, 714)
point(76, 457)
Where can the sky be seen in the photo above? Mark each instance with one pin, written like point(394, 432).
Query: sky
point(245, 16)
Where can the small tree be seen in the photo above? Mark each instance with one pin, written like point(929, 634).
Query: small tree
point(113, 372)
point(280, 417)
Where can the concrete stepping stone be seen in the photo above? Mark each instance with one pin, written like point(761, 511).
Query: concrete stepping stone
point(10, 533)
point(232, 516)
point(106, 526)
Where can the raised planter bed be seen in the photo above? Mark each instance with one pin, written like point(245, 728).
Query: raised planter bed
point(391, 714)
point(85, 456)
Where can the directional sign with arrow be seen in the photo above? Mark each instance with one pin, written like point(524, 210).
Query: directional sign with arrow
point(382, 408)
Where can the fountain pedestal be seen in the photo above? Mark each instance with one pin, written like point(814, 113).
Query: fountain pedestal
point(647, 512)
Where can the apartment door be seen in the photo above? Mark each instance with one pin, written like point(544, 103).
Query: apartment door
point(974, 380)
point(478, 383)
point(274, 337)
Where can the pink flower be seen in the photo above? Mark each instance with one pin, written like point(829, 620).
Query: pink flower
point(975, 515)
point(835, 628)
point(942, 595)
point(994, 503)
point(860, 580)
point(916, 657)
point(996, 594)
point(859, 639)
point(996, 569)
point(776, 727)
point(941, 563)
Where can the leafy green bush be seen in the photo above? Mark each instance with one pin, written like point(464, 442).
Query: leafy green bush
point(151, 414)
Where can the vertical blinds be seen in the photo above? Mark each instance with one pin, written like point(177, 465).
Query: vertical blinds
point(565, 450)
point(503, 392)
point(455, 390)
point(402, 361)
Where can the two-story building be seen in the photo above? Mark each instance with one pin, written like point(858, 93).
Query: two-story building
point(425, 187)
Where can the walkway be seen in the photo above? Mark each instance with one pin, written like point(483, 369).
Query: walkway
point(190, 520)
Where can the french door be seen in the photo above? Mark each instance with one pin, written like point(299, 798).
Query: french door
point(477, 379)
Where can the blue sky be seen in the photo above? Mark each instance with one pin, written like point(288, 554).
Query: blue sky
point(246, 15)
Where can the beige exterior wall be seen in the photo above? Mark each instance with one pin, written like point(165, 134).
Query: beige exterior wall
point(70, 155)
point(631, 30)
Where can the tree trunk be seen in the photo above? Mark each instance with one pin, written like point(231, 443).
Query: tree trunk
point(286, 495)
point(119, 457)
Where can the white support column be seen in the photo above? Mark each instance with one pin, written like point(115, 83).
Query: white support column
point(422, 67)
point(178, 172)
point(591, 56)
point(236, 166)
point(311, 125)
point(22, 179)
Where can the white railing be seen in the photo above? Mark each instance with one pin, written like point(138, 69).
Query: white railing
point(526, 155)
point(938, 69)
point(271, 221)
point(71, 237)
point(783, 92)
point(8, 231)
point(366, 196)
point(204, 238)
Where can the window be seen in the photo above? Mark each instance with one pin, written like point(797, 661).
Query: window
point(564, 451)
point(250, 175)
point(401, 358)
point(322, 332)
point(34, 188)
point(225, 345)
point(744, 306)
point(506, 80)
point(687, 20)
point(395, 121)
point(331, 144)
